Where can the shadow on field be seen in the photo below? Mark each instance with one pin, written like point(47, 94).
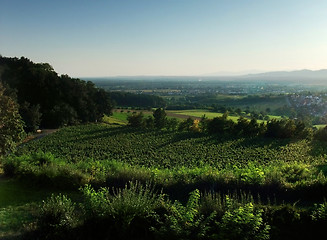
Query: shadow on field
point(105, 132)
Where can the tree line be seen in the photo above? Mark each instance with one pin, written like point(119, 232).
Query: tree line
point(126, 99)
point(48, 100)
point(33, 96)
point(283, 128)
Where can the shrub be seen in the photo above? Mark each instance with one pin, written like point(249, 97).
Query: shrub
point(320, 212)
point(243, 222)
point(185, 222)
point(125, 212)
point(250, 174)
point(56, 215)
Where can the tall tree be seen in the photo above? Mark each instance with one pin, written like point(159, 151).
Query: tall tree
point(11, 124)
point(159, 118)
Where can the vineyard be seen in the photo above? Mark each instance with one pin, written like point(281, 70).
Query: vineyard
point(164, 149)
point(98, 153)
point(227, 179)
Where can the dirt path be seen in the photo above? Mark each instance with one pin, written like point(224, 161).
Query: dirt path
point(37, 136)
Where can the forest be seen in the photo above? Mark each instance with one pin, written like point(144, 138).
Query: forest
point(121, 165)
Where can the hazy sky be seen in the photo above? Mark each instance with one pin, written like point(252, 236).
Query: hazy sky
point(165, 37)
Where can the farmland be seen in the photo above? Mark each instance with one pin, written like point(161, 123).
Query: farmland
point(100, 150)
point(109, 155)
point(168, 149)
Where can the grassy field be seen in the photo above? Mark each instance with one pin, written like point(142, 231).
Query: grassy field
point(120, 118)
point(200, 112)
point(19, 203)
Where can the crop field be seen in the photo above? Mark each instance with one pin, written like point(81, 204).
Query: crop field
point(106, 155)
point(164, 149)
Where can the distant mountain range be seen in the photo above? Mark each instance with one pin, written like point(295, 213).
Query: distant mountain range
point(317, 77)
point(299, 76)
point(293, 74)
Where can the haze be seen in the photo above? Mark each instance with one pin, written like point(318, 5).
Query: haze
point(171, 37)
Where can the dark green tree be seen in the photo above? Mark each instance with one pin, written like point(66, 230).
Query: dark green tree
point(159, 118)
point(31, 116)
point(136, 120)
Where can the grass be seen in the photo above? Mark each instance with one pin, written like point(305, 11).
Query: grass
point(18, 205)
point(208, 114)
point(120, 118)
point(116, 118)
point(200, 113)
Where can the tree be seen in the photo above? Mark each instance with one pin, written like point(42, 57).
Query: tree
point(11, 124)
point(172, 124)
point(31, 116)
point(186, 124)
point(159, 118)
point(136, 120)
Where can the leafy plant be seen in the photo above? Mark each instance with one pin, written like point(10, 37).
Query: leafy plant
point(123, 208)
point(242, 223)
point(57, 214)
point(320, 212)
point(185, 222)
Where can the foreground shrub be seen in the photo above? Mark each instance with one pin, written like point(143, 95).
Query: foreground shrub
point(320, 212)
point(57, 215)
point(243, 222)
point(123, 212)
point(185, 222)
point(44, 169)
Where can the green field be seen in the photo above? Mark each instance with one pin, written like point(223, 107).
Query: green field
point(120, 118)
point(19, 203)
point(209, 114)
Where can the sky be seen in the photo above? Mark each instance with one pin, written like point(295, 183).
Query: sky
point(84, 38)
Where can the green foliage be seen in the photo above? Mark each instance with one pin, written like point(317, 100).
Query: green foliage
point(11, 125)
point(57, 214)
point(31, 116)
point(62, 100)
point(252, 174)
point(185, 222)
point(186, 125)
point(321, 134)
point(172, 124)
point(127, 99)
point(320, 212)
point(44, 169)
point(287, 128)
point(160, 118)
point(243, 222)
point(122, 209)
point(98, 153)
point(136, 120)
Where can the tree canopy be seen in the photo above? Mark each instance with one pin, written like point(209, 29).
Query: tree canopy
point(49, 100)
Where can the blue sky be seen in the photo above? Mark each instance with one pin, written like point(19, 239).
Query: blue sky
point(84, 38)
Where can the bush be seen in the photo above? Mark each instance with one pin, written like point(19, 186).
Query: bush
point(57, 215)
point(124, 213)
point(320, 212)
point(185, 222)
point(243, 222)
